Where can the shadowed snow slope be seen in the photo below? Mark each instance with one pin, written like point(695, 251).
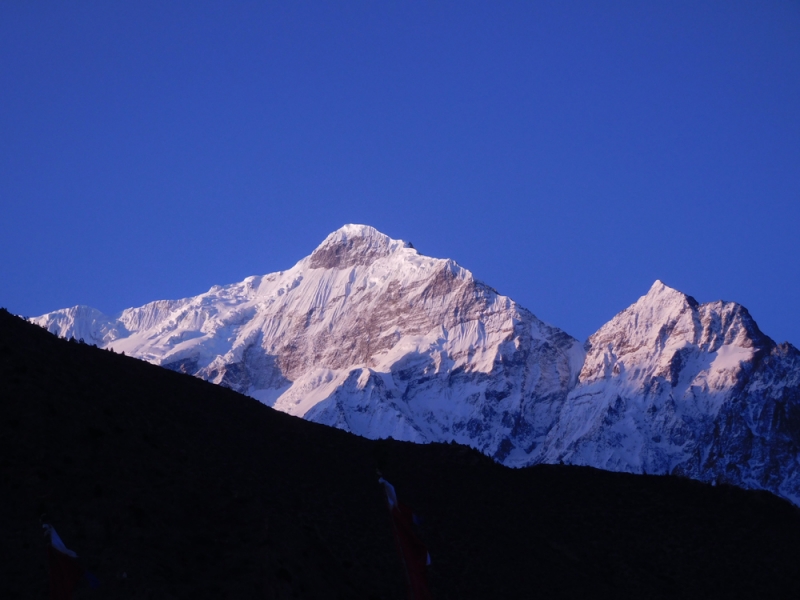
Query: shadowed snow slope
point(367, 335)
point(370, 336)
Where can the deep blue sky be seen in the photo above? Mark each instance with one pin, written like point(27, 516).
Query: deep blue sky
point(569, 154)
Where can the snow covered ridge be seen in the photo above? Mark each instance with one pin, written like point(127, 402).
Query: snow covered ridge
point(370, 336)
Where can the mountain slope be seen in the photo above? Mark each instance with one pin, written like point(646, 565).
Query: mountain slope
point(367, 335)
point(194, 491)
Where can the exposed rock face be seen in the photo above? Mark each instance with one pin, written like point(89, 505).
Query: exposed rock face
point(369, 336)
point(673, 386)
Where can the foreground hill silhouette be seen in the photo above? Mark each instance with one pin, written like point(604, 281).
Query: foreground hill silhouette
point(194, 491)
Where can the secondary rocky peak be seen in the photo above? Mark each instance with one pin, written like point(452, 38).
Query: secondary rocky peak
point(673, 386)
point(657, 313)
point(666, 318)
point(353, 245)
point(667, 311)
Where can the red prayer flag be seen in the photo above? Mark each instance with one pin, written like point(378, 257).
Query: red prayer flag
point(65, 573)
point(412, 550)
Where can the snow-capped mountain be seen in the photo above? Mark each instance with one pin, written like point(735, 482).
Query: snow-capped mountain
point(673, 386)
point(370, 336)
point(367, 335)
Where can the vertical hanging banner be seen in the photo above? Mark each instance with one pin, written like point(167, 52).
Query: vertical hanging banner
point(412, 550)
point(65, 570)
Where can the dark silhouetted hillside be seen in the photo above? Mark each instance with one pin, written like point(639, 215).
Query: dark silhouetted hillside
point(194, 491)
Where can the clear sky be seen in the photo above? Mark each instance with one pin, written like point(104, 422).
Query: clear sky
point(568, 153)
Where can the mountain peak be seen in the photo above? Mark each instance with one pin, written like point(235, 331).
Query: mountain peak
point(659, 287)
point(353, 245)
point(354, 230)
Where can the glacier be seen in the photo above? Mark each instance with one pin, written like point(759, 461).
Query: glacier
point(368, 335)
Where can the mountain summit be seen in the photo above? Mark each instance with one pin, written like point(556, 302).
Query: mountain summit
point(368, 335)
point(353, 245)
